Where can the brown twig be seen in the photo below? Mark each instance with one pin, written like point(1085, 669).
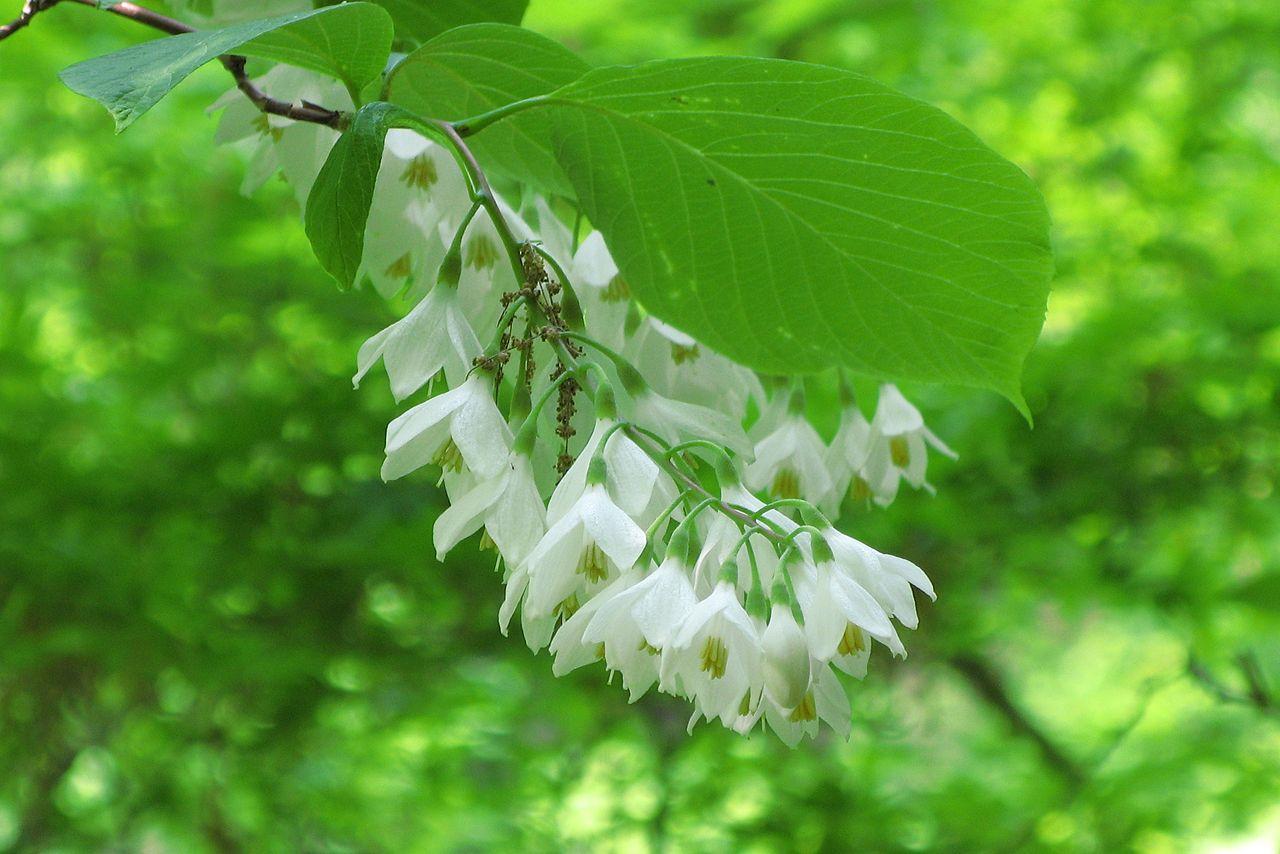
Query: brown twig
point(29, 10)
point(235, 64)
point(1256, 695)
point(987, 683)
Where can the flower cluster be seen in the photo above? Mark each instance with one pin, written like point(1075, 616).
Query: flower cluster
point(652, 504)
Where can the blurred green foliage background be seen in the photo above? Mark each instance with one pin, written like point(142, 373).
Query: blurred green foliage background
point(220, 631)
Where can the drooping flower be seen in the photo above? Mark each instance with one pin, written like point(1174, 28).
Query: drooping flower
point(435, 336)
point(899, 446)
point(570, 646)
point(681, 367)
point(837, 610)
point(714, 656)
point(634, 480)
point(636, 625)
point(594, 540)
point(790, 462)
point(824, 701)
point(593, 275)
point(506, 504)
point(418, 186)
point(676, 420)
point(886, 577)
point(460, 427)
point(785, 657)
point(847, 458)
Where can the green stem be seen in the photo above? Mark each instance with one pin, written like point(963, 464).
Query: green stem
point(700, 443)
point(531, 420)
point(613, 355)
point(477, 123)
point(508, 315)
point(666, 514)
point(481, 190)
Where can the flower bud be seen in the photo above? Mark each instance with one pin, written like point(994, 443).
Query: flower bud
point(786, 658)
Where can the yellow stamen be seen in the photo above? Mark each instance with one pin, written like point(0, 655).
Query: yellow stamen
point(481, 253)
point(420, 173)
point(786, 484)
point(401, 268)
point(899, 452)
point(593, 563)
point(600, 651)
point(744, 708)
point(715, 656)
point(568, 607)
point(681, 353)
point(806, 711)
point(449, 458)
point(859, 490)
point(486, 542)
point(851, 641)
point(617, 291)
point(264, 127)
point(645, 646)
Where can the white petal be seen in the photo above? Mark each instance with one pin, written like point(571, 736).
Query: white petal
point(610, 528)
point(833, 703)
point(517, 520)
point(593, 263)
point(480, 431)
point(464, 516)
point(894, 413)
point(910, 572)
point(858, 606)
point(632, 474)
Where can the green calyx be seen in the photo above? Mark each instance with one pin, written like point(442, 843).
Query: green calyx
point(450, 268)
point(606, 402)
point(597, 471)
point(795, 404)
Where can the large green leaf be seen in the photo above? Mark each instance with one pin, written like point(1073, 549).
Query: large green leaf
point(795, 217)
point(339, 202)
point(419, 20)
point(350, 42)
point(473, 69)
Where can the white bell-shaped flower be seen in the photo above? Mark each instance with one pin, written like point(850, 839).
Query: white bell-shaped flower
point(593, 541)
point(824, 701)
point(714, 656)
point(418, 183)
point(637, 624)
point(785, 657)
point(435, 336)
point(592, 274)
point(837, 610)
point(298, 149)
point(886, 577)
point(507, 505)
point(899, 446)
point(571, 648)
point(681, 367)
point(791, 462)
point(486, 269)
point(847, 458)
point(677, 421)
point(638, 485)
point(460, 427)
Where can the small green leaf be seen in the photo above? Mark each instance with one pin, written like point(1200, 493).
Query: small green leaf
point(350, 42)
point(419, 20)
point(796, 217)
point(474, 69)
point(338, 206)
